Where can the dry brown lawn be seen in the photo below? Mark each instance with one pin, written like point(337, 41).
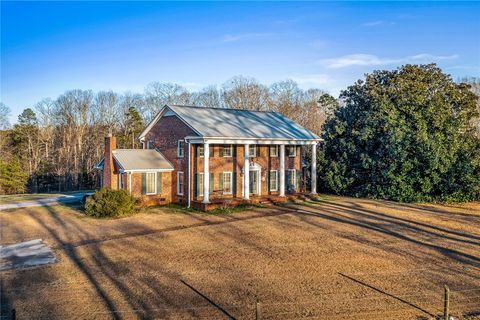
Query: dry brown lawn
point(341, 258)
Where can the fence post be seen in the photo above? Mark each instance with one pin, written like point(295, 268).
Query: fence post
point(14, 314)
point(258, 311)
point(446, 304)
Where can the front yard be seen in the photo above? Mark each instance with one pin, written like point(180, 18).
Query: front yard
point(340, 258)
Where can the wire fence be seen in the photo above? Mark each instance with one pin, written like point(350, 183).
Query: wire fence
point(462, 304)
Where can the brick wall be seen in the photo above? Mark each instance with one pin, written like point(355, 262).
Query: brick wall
point(165, 135)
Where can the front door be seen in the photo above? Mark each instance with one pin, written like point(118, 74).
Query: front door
point(254, 181)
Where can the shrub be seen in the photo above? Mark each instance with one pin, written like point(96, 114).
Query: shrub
point(109, 203)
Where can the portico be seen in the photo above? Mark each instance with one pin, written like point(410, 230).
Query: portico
point(249, 164)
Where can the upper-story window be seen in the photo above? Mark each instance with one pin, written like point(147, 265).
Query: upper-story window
point(273, 151)
point(227, 150)
point(292, 151)
point(149, 144)
point(200, 151)
point(252, 150)
point(180, 151)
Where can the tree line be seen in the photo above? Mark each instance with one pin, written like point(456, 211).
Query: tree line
point(56, 143)
point(410, 134)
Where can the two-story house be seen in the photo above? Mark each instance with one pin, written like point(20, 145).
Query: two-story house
point(207, 157)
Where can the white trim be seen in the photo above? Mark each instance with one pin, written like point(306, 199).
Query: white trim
point(261, 141)
point(149, 127)
point(180, 148)
point(270, 153)
point(270, 180)
point(259, 179)
point(155, 183)
point(282, 171)
point(189, 187)
point(130, 181)
point(146, 170)
point(231, 182)
point(206, 176)
point(246, 173)
point(178, 183)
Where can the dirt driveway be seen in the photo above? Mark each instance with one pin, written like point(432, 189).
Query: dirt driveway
point(341, 258)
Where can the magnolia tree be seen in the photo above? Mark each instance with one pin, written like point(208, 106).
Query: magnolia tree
point(404, 135)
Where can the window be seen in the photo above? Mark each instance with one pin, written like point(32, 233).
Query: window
point(200, 150)
point(151, 183)
point(227, 150)
point(291, 180)
point(180, 144)
point(149, 144)
point(199, 184)
point(273, 180)
point(227, 183)
point(273, 151)
point(252, 150)
point(180, 183)
point(292, 151)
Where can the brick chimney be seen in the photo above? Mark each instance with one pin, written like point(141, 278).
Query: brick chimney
point(108, 176)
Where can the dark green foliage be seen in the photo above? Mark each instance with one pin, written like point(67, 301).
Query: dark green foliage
point(404, 135)
point(13, 179)
point(110, 203)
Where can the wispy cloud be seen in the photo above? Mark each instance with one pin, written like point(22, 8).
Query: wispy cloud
point(242, 36)
point(360, 59)
point(377, 23)
point(310, 79)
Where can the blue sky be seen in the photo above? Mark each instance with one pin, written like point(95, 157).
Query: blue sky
point(48, 48)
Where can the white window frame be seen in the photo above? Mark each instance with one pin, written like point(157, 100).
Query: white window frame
point(154, 183)
point(270, 180)
point(180, 182)
point(294, 151)
point(200, 147)
point(200, 191)
point(227, 147)
point(250, 153)
point(270, 150)
point(231, 182)
point(180, 148)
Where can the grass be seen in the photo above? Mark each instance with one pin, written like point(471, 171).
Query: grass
point(26, 197)
point(341, 259)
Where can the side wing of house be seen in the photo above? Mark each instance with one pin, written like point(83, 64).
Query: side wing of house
point(167, 135)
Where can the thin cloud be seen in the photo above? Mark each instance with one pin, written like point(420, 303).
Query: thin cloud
point(361, 59)
point(311, 79)
point(242, 36)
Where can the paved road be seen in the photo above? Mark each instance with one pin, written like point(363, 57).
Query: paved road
point(48, 201)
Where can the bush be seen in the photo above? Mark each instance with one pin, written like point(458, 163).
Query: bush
point(110, 203)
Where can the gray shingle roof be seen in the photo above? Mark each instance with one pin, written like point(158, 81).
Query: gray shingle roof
point(141, 159)
point(235, 123)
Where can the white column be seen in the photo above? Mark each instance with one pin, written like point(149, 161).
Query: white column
point(282, 170)
point(206, 173)
point(314, 169)
point(246, 174)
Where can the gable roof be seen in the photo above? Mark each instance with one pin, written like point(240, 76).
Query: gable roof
point(139, 160)
point(236, 123)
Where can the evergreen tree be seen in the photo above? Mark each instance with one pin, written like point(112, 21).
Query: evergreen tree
point(13, 179)
point(404, 135)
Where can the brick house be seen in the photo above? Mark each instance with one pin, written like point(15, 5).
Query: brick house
point(197, 156)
